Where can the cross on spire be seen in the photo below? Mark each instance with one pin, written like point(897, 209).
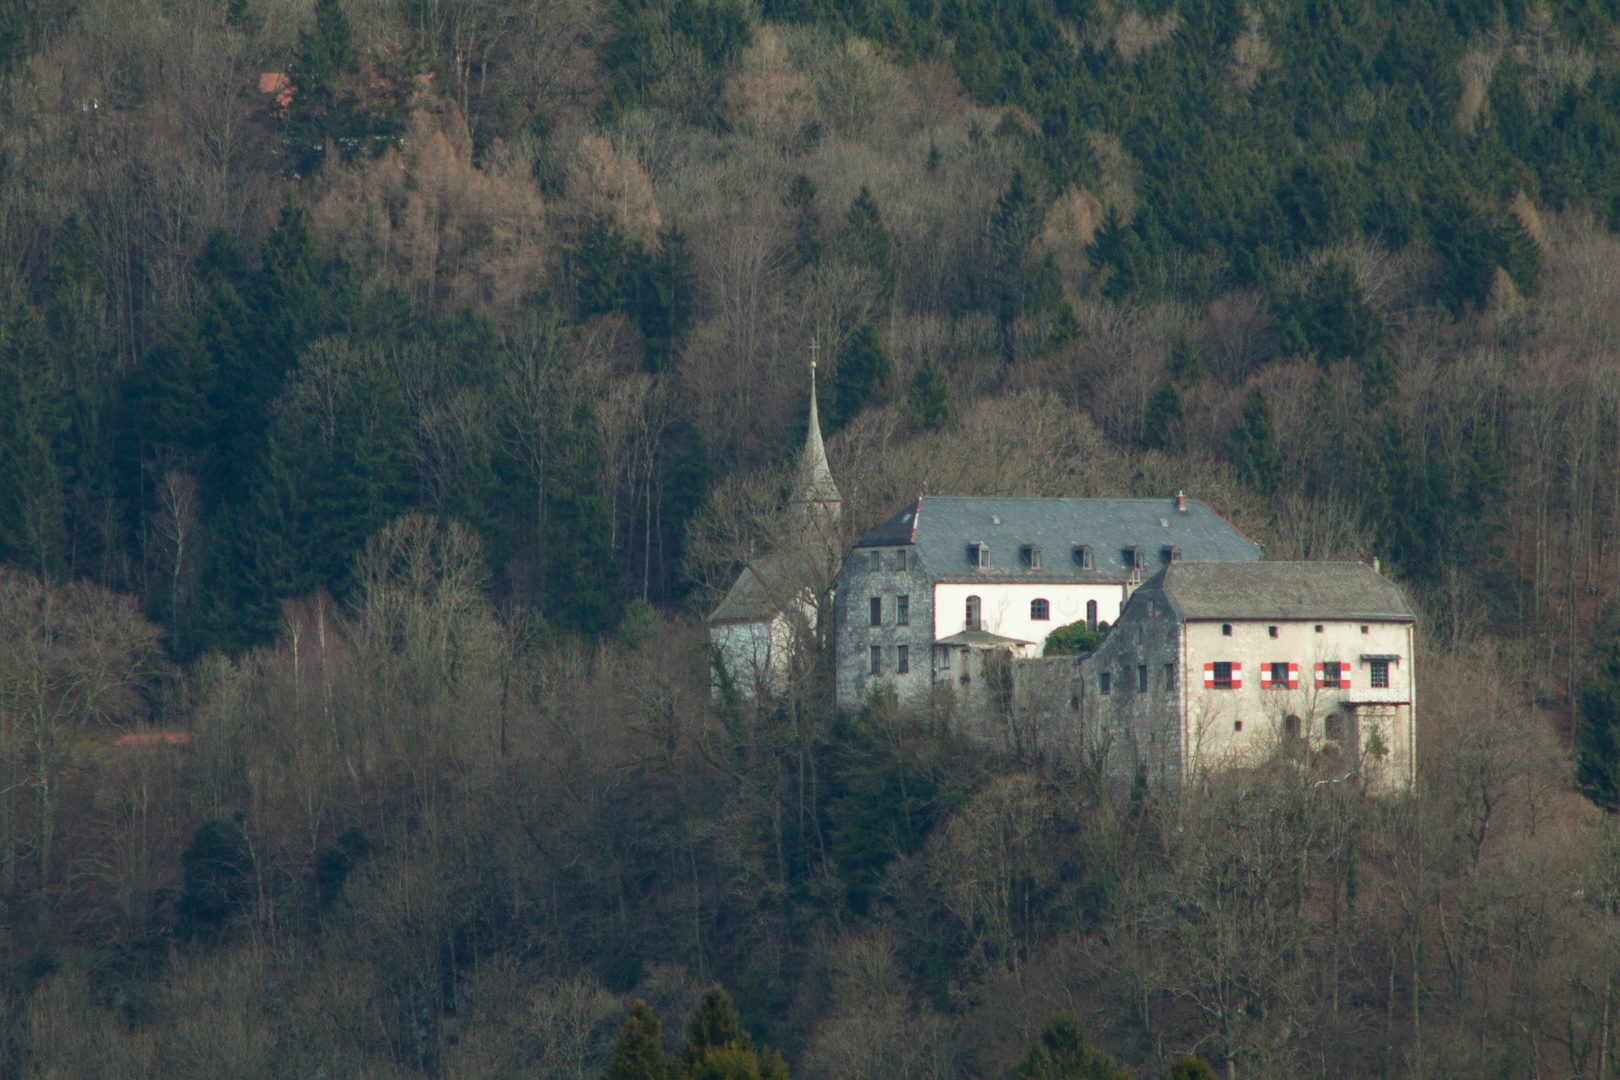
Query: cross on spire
point(815, 351)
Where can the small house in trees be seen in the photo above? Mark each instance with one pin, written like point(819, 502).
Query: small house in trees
point(775, 601)
point(947, 593)
point(1215, 665)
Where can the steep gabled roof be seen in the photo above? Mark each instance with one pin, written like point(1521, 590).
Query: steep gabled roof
point(762, 591)
point(1299, 591)
point(942, 529)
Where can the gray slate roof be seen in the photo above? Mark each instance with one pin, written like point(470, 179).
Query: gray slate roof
point(763, 589)
point(942, 527)
point(1280, 590)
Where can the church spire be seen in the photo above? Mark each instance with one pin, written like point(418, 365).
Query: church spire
point(817, 492)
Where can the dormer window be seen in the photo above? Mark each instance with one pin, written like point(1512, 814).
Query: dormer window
point(1171, 553)
point(1032, 556)
point(1083, 556)
point(979, 556)
point(1134, 558)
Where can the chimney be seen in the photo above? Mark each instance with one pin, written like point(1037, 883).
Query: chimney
point(1181, 501)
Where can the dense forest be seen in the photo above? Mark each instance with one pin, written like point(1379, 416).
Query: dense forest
point(389, 387)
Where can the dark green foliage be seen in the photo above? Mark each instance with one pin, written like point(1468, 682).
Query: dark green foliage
point(1072, 639)
point(1254, 445)
point(666, 298)
point(218, 877)
point(1163, 413)
point(801, 199)
point(1332, 321)
point(334, 864)
point(719, 28)
point(712, 1026)
point(886, 795)
point(1063, 1052)
point(1597, 734)
point(33, 527)
point(657, 290)
point(639, 1053)
point(646, 46)
point(1019, 285)
point(1187, 1067)
point(930, 399)
point(865, 242)
point(581, 568)
point(326, 106)
point(862, 371)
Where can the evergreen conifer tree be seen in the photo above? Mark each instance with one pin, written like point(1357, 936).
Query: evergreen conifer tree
point(1063, 1052)
point(1187, 1067)
point(863, 370)
point(1163, 410)
point(713, 1025)
point(929, 401)
point(639, 1053)
point(33, 528)
point(801, 199)
point(666, 298)
point(581, 567)
point(1597, 738)
point(1254, 444)
point(866, 241)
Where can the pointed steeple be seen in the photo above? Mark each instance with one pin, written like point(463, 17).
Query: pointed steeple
point(817, 495)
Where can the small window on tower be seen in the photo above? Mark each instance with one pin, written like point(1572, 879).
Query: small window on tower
point(1141, 678)
point(1169, 676)
point(874, 561)
point(1105, 682)
point(902, 659)
point(902, 611)
point(875, 606)
point(900, 560)
point(945, 658)
point(876, 657)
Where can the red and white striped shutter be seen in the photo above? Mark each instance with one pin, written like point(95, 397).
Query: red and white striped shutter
point(1293, 676)
point(1237, 675)
point(1321, 679)
point(1344, 675)
point(1265, 676)
point(1209, 676)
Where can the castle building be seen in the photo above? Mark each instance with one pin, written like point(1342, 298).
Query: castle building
point(1215, 665)
point(950, 584)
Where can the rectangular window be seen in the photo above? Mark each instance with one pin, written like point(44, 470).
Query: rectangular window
point(1223, 675)
point(1105, 683)
point(876, 606)
point(900, 560)
point(1169, 676)
point(874, 561)
point(902, 611)
point(1380, 674)
point(1333, 674)
point(902, 659)
point(1034, 554)
point(877, 659)
point(1141, 678)
point(979, 556)
point(1279, 676)
point(945, 659)
point(1082, 555)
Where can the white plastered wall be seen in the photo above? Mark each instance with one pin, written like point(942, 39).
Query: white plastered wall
point(1213, 740)
point(755, 653)
point(1004, 607)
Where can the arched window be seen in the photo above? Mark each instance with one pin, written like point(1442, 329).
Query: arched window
point(973, 613)
point(1291, 727)
point(1040, 610)
point(1091, 615)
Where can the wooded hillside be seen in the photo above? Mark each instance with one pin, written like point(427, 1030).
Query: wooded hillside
point(388, 387)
